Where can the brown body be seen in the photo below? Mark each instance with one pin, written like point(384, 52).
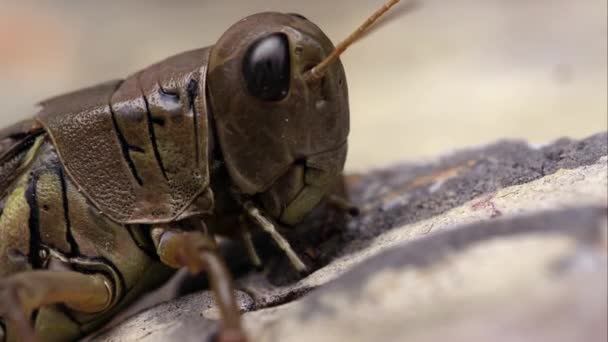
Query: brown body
point(108, 188)
point(101, 179)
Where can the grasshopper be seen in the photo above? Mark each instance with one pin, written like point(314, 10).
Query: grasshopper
point(108, 190)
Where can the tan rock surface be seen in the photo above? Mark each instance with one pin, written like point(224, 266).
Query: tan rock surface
point(501, 243)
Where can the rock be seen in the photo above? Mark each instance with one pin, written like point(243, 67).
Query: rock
point(505, 242)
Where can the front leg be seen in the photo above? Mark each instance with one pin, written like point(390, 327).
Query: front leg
point(197, 252)
point(22, 293)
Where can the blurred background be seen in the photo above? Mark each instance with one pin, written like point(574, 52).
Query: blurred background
point(448, 75)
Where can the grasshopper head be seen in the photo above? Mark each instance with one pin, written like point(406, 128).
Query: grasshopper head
point(282, 135)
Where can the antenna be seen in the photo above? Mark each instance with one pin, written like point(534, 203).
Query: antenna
point(317, 72)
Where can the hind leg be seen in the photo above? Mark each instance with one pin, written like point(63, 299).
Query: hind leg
point(25, 292)
point(197, 252)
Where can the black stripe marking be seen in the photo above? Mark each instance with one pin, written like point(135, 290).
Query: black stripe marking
point(67, 312)
point(34, 315)
point(107, 262)
point(151, 254)
point(192, 90)
point(121, 277)
point(18, 147)
point(158, 121)
point(168, 93)
point(136, 149)
point(74, 249)
point(34, 221)
point(125, 147)
point(152, 135)
point(11, 160)
point(215, 150)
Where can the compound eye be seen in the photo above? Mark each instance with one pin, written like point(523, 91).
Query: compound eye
point(267, 67)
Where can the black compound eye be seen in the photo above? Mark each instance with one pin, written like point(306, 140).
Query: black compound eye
point(267, 68)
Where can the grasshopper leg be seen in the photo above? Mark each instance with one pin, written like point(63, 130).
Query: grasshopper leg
point(343, 205)
point(197, 252)
point(22, 293)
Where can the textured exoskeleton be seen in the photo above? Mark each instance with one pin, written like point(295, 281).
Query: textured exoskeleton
point(108, 189)
point(89, 179)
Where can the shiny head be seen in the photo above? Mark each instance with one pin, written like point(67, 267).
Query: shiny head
point(283, 140)
point(282, 136)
